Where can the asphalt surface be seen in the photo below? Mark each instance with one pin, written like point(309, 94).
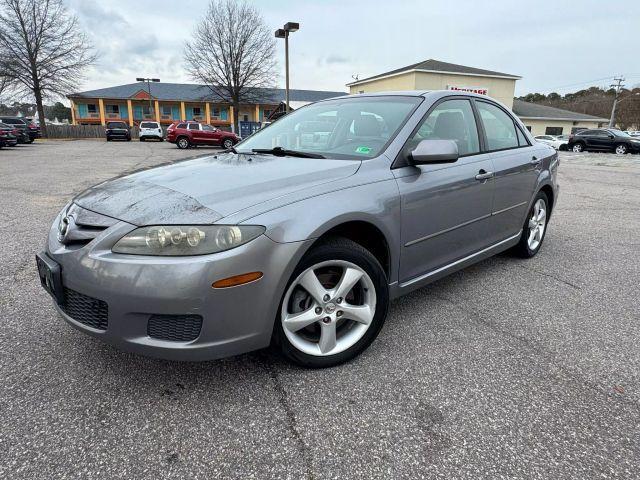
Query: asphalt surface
point(508, 369)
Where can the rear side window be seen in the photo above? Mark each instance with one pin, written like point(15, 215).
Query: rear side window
point(148, 125)
point(498, 126)
point(182, 125)
point(194, 126)
point(450, 120)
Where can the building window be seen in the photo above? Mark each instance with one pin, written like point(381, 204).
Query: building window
point(553, 131)
point(197, 111)
point(528, 127)
point(215, 112)
point(166, 110)
point(113, 109)
point(91, 108)
point(146, 110)
point(360, 91)
point(245, 117)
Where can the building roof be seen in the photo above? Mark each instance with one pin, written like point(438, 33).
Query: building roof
point(198, 93)
point(436, 66)
point(536, 111)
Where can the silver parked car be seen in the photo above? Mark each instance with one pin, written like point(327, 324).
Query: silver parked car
point(301, 235)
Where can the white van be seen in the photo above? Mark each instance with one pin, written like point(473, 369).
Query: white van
point(150, 130)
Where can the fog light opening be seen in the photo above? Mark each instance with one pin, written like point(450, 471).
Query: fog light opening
point(237, 280)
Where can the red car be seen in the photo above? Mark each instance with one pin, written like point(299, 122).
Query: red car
point(190, 134)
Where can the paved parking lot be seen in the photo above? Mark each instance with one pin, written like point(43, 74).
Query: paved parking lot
point(508, 369)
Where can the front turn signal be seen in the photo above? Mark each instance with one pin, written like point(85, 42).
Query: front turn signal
point(237, 280)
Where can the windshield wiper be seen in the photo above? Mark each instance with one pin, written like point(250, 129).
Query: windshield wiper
point(233, 150)
point(282, 152)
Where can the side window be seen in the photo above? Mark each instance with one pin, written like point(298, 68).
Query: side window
point(522, 140)
point(498, 126)
point(194, 126)
point(182, 125)
point(450, 120)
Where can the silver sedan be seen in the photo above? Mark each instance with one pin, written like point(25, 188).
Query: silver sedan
point(300, 235)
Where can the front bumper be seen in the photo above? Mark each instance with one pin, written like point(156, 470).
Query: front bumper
point(234, 320)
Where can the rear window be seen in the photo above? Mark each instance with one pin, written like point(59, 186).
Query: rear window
point(116, 125)
point(148, 125)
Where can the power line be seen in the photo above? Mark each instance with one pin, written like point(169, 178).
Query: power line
point(618, 87)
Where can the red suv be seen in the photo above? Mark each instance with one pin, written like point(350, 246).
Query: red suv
point(190, 134)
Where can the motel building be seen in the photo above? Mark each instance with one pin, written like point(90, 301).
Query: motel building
point(171, 102)
point(436, 75)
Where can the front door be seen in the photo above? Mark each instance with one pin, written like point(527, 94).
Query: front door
point(445, 207)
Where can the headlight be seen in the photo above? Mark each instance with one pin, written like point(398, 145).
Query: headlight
point(181, 240)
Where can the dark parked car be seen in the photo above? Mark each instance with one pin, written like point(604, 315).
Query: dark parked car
point(190, 134)
point(33, 126)
point(8, 135)
point(604, 140)
point(118, 130)
point(25, 135)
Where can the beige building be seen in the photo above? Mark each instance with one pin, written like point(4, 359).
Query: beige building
point(436, 75)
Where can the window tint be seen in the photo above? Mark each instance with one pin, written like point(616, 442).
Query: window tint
point(522, 140)
point(498, 126)
point(585, 132)
point(194, 126)
point(91, 108)
point(116, 125)
point(182, 125)
point(148, 125)
point(208, 128)
point(450, 120)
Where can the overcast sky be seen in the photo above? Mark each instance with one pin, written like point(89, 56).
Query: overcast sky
point(554, 45)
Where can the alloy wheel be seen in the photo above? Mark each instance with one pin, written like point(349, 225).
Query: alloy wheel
point(328, 308)
point(621, 149)
point(227, 144)
point(577, 147)
point(537, 224)
point(183, 143)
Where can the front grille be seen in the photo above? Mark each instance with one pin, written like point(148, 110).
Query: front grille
point(175, 328)
point(87, 310)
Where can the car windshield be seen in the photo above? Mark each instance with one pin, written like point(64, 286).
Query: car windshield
point(620, 133)
point(116, 125)
point(348, 127)
point(148, 125)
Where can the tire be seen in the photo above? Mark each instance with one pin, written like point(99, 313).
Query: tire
point(621, 149)
point(108, 139)
point(128, 139)
point(183, 143)
point(30, 141)
point(227, 143)
point(332, 259)
point(526, 248)
point(142, 139)
point(578, 147)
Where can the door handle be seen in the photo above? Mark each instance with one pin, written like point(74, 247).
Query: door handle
point(484, 175)
point(535, 160)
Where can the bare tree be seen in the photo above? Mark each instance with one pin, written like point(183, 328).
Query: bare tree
point(232, 51)
point(45, 50)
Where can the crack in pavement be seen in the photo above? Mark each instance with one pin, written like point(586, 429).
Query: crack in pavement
point(292, 424)
point(550, 275)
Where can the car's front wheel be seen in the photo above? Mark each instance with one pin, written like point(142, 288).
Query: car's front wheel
point(621, 149)
point(334, 306)
point(183, 142)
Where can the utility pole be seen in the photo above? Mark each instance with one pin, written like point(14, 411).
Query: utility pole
point(618, 86)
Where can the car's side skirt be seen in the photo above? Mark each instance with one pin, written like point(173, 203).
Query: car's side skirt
point(417, 282)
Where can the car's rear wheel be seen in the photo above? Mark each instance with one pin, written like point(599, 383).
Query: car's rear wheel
point(183, 142)
point(227, 143)
point(334, 306)
point(142, 139)
point(621, 149)
point(535, 227)
point(578, 147)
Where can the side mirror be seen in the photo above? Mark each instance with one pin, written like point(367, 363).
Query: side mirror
point(434, 151)
point(611, 136)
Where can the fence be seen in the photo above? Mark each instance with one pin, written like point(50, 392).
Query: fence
point(81, 131)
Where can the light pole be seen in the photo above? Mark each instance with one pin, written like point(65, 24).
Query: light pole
point(289, 27)
point(148, 80)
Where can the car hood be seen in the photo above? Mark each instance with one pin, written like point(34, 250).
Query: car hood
point(204, 190)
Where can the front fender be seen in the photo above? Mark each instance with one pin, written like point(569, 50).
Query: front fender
point(376, 203)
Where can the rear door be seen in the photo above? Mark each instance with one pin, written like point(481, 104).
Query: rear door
point(445, 207)
point(196, 134)
point(516, 169)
